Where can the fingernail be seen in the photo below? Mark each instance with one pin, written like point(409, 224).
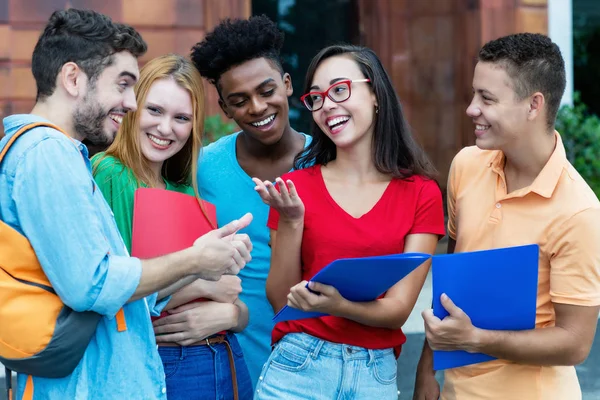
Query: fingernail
point(444, 296)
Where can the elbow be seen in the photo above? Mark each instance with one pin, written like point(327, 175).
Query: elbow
point(78, 300)
point(399, 318)
point(81, 295)
point(273, 301)
point(396, 325)
point(578, 354)
point(272, 295)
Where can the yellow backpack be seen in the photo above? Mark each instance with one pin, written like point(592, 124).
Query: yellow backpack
point(39, 334)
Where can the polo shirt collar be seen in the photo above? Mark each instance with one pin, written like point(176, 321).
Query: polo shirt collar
point(545, 183)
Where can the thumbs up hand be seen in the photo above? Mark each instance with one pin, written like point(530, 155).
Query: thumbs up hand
point(223, 251)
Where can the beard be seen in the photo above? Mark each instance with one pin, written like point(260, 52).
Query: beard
point(89, 119)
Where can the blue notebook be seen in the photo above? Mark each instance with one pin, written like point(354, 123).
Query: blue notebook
point(496, 288)
point(349, 277)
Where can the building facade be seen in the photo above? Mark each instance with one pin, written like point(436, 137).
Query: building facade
point(429, 47)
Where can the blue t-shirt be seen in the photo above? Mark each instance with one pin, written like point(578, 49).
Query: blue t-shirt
point(223, 182)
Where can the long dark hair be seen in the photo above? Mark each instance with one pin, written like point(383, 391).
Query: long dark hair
point(394, 149)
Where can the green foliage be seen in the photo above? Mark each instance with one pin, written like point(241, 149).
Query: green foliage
point(580, 132)
point(215, 128)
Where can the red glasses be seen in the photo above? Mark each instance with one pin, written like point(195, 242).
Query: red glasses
point(338, 93)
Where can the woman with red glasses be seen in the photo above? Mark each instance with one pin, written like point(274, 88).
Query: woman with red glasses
point(370, 192)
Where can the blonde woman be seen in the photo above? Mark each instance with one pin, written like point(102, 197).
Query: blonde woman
point(157, 146)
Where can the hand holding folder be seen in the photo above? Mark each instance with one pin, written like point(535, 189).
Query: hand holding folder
point(496, 288)
point(360, 279)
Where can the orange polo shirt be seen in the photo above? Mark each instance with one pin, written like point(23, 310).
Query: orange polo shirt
point(561, 214)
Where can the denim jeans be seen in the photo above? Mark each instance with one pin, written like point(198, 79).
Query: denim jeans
point(305, 367)
point(203, 373)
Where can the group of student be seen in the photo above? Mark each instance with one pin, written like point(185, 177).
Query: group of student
point(358, 185)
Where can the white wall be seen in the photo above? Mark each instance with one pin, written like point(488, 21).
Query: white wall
point(560, 30)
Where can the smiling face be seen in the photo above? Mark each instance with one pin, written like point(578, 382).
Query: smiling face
point(165, 121)
point(500, 118)
point(255, 96)
point(352, 120)
point(101, 110)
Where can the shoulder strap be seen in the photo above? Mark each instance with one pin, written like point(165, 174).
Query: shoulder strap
point(24, 129)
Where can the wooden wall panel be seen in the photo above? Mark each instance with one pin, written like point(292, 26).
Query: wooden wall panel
point(168, 26)
point(430, 48)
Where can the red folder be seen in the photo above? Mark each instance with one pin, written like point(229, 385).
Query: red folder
point(165, 221)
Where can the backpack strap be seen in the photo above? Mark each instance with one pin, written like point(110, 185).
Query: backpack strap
point(19, 133)
point(24, 129)
point(8, 382)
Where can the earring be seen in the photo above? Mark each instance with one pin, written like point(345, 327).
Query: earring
point(376, 109)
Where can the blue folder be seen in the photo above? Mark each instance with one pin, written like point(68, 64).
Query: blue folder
point(496, 288)
point(349, 277)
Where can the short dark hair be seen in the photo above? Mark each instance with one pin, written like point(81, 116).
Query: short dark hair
point(85, 37)
point(395, 151)
point(233, 42)
point(534, 63)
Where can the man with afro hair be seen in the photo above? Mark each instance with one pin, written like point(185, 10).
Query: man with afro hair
point(242, 59)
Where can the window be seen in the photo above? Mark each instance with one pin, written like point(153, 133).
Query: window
point(309, 26)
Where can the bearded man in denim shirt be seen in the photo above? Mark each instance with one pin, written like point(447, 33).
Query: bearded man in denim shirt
point(85, 67)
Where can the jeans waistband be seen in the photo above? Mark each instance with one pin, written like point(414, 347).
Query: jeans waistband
point(316, 347)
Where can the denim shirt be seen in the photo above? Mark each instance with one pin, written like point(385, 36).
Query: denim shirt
point(48, 194)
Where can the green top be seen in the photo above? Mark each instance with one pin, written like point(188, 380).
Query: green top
point(118, 184)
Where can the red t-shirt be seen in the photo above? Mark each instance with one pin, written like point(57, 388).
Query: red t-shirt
point(408, 206)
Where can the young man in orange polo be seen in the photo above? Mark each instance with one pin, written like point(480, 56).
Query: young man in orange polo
point(517, 187)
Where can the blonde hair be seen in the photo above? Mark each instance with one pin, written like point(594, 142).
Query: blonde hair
point(182, 167)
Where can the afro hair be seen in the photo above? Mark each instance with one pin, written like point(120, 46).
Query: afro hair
point(234, 42)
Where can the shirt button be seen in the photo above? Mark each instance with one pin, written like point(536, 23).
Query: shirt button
point(164, 390)
point(498, 205)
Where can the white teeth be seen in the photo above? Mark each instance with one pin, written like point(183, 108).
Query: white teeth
point(482, 127)
point(160, 142)
point(117, 118)
point(264, 121)
point(337, 120)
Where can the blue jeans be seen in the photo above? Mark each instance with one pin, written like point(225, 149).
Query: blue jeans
point(305, 367)
point(203, 373)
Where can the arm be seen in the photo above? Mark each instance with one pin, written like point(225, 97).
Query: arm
point(567, 343)
point(575, 296)
point(243, 317)
point(393, 309)
point(285, 269)
point(225, 290)
point(193, 322)
point(78, 259)
point(57, 210)
point(426, 386)
point(286, 244)
point(212, 254)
